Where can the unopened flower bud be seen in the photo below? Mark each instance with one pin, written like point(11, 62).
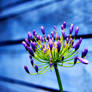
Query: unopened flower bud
point(84, 53)
point(29, 36)
point(42, 29)
point(62, 27)
point(26, 69)
point(64, 24)
point(82, 60)
point(36, 68)
point(76, 31)
point(63, 34)
point(50, 44)
point(58, 45)
point(75, 59)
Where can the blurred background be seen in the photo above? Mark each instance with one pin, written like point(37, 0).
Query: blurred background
point(17, 18)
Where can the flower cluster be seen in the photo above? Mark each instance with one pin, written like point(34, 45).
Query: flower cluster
point(53, 49)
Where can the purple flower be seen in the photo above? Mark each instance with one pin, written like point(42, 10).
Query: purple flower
point(62, 27)
point(80, 40)
point(32, 62)
point(71, 28)
point(50, 44)
point(26, 69)
point(75, 59)
point(55, 27)
point(63, 34)
point(48, 37)
point(36, 68)
point(43, 39)
point(24, 43)
point(71, 41)
point(34, 32)
point(58, 45)
point(76, 31)
point(51, 64)
point(76, 45)
point(82, 60)
point(27, 42)
point(62, 58)
point(64, 24)
point(68, 35)
point(33, 45)
point(29, 36)
point(30, 56)
point(30, 51)
point(42, 29)
point(84, 53)
point(45, 51)
point(38, 37)
point(52, 34)
point(67, 40)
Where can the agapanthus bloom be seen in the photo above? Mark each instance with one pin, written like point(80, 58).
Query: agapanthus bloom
point(50, 50)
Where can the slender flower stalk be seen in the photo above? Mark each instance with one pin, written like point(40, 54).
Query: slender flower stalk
point(53, 51)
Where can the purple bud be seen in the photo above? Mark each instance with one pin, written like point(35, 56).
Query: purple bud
point(76, 45)
point(71, 41)
point(80, 40)
point(71, 28)
point(26, 69)
point(63, 34)
point(24, 43)
point(38, 37)
point(36, 68)
point(48, 37)
point(34, 32)
point(33, 45)
point(30, 51)
point(82, 60)
point(76, 31)
point(45, 51)
point(62, 27)
point(62, 58)
point(42, 29)
point(84, 53)
point(44, 36)
point(58, 45)
point(64, 24)
point(27, 42)
point(67, 40)
point(55, 27)
point(43, 39)
point(50, 44)
point(32, 62)
point(51, 64)
point(35, 35)
point(68, 35)
point(29, 36)
point(75, 59)
point(30, 56)
point(52, 34)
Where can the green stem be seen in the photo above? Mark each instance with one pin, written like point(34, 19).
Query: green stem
point(58, 78)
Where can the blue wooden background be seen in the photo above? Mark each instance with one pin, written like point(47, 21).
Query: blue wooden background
point(17, 17)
